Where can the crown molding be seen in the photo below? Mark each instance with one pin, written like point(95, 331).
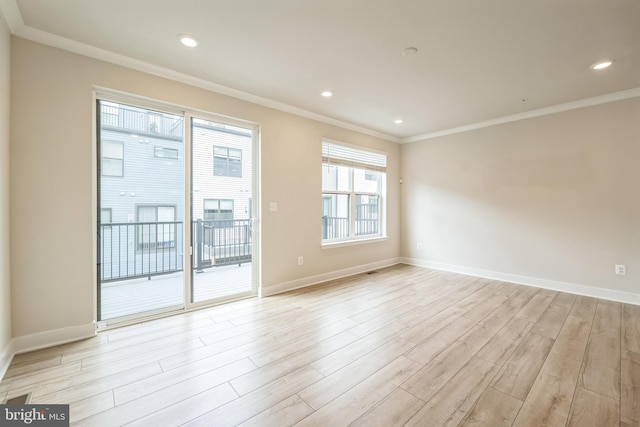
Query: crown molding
point(14, 20)
point(9, 9)
point(573, 105)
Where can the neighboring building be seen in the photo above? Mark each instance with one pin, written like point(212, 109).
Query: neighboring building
point(142, 186)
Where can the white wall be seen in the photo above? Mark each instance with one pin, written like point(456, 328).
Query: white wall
point(53, 195)
point(5, 276)
point(553, 200)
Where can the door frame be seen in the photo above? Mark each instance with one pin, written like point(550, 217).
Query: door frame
point(107, 94)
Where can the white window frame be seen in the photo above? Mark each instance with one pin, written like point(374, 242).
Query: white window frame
point(355, 158)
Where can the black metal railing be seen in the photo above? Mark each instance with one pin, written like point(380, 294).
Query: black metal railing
point(145, 249)
point(221, 242)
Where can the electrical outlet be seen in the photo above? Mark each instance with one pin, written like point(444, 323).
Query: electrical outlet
point(419, 245)
point(273, 207)
point(300, 260)
point(621, 270)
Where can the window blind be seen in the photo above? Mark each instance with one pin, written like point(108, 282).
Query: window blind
point(337, 154)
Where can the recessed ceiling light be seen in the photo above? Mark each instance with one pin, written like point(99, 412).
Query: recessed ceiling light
point(327, 93)
point(398, 121)
point(601, 65)
point(410, 51)
point(188, 40)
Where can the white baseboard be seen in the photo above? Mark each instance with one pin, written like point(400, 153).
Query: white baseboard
point(572, 288)
point(6, 355)
point(320, 278)
point(25, 343)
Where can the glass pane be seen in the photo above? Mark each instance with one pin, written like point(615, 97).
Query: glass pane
point(235, 154)
point(141, 261)
point(112, 167)
point(336, 178)
point(166, 213)
point(335, 216)
point(366, 181)
point(167, 153)
point(235, 168)
point(105, 216)
point(367, 215)
point(146, 214)
point(112, 150)
point(211, 204)
point(220, 166)
point(222, 243)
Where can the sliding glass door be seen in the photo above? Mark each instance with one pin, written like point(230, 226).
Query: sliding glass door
point(151, 223)
point(141, 199)
point(221, 210)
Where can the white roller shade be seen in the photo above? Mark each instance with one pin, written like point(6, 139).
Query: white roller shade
point(337, 154)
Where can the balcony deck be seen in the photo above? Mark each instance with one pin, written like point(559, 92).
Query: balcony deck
point(127, 297)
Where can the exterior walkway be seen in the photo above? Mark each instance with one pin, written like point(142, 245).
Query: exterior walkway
point(127, 297)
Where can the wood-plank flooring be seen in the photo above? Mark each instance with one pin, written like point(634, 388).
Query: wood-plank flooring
point(404, 346)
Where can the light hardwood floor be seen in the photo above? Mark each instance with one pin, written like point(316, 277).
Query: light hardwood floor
point(404, 346)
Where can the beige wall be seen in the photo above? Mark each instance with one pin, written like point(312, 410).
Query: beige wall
point(554, 197)
point(5, 283)
point(51, 183)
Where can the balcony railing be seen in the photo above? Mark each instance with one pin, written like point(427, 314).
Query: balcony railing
point(221, 242)
point(338, 227)
point(146, 249)
point(142, 122)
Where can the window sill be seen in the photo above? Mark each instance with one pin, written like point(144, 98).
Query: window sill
point(343, 243)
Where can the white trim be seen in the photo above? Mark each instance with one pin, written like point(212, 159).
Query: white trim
point(352, 242)
point(572, 288)
point(56, 41)
point(320, 278)
point(25, 343)
point(16, 25)
point(587, 102)
point(6, 356)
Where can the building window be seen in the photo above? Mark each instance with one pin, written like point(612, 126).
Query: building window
point(227, 161)
point(216, 210)
point(105, 216)
point(165, 153)
point(353, 193)
point(156, 227)
point(112, 158)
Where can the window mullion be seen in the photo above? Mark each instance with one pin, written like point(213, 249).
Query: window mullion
point(352, 207)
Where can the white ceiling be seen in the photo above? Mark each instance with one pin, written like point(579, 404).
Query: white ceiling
point(476, 61)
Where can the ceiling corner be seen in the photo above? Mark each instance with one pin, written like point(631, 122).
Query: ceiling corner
point(9, 9)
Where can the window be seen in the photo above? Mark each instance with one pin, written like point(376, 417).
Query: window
point(112, 158)
point(215, 210)
point(156, 227)
point(165, 153)
point(353, 192)
point(105, 216)
point(227, 161)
